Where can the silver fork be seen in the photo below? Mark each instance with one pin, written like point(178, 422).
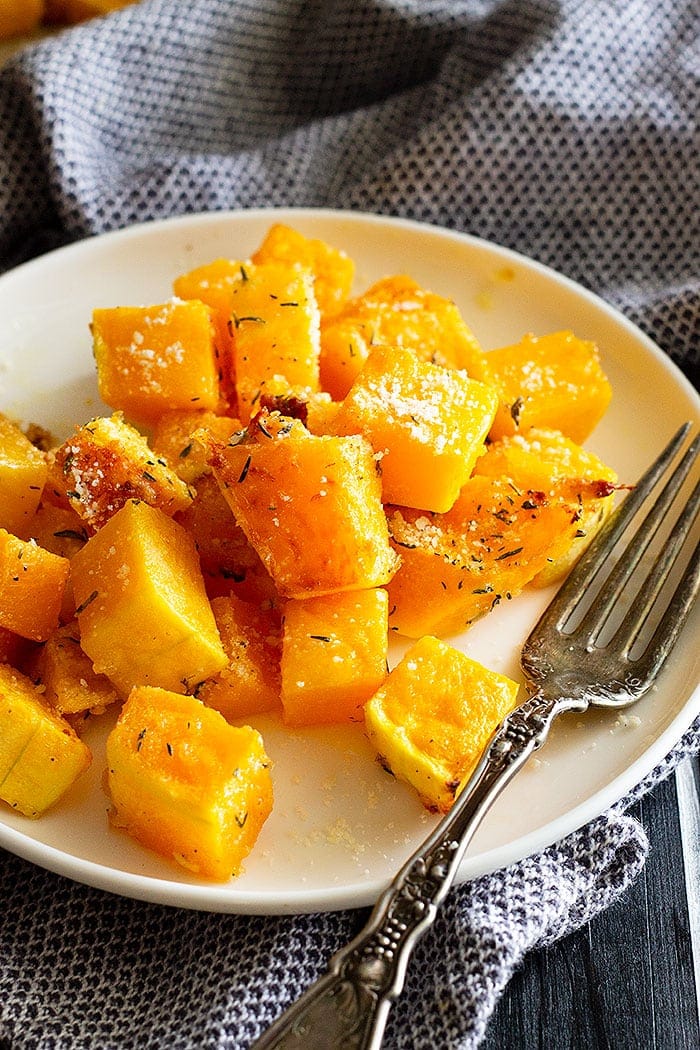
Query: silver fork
point(569, 665)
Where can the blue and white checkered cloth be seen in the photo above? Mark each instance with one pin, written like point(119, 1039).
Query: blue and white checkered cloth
point(565, 129)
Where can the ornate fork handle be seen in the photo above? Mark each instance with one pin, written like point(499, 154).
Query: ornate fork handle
point(348, 1007)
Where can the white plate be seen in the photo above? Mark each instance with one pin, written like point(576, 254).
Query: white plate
point(341, 826)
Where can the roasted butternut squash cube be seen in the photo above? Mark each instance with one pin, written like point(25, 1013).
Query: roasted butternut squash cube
point(334, 656)
point(275, 327)
point(65, 673)
point(310, 506)
point(40, 755)
point(455, 567)
point(554, 381)
point(173, 439)
point(223, 547)
point(57, 529)
point(428, 423)
point(32, 584)
point(395, 311)
point(321, 413)
point(105, 464)
point(433, 717)
point(61, 531)
point(250, 682)
point(539, 458)
point(23, 473)
point(186, 784)
point(151, 359)
point(212, 284)
point(143, 612)
point(333, 271)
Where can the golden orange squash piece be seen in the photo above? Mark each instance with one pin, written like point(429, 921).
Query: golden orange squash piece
point(173, 439)
point(32, 584)
point(310, 506)
point(427, 422)
point(250, 682)
point(539, 459)
point(106, 463)
point(333, 270)
point(152, 359)
point(66, 675)
point(144, 616)
point(23, 473)
point(212, 284)
point(186, 784)
point(433, 717)
point(333, 656)
point(455, 567)
point(228, 561)
point(275, 328)
point(395, 311)
point(40, 755)
point(553, 381)
point(321, 413)
point(57, 529)
point(61, 531)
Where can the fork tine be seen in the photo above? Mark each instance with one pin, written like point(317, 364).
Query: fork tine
point(671, 623)
point(569, 594)
point(636, 616)
point(605, 599)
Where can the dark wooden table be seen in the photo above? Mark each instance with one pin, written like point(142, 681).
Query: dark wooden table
point(629, 980)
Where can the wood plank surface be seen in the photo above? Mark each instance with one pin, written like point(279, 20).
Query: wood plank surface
point(627, 981)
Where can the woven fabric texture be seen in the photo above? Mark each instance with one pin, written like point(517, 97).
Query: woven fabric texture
point(565, 130)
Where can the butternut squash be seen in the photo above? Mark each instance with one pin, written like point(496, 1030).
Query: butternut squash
point(333, 656)
point(395, 311)
point(151, 359)
point(428, 424)
point(554, 381)
point(212, 284)
point(333, 270)
point(186, 784)
point(457, 566)
point(66, 675)
point(18, 17)
point(40, 755)
point(32, 585)
point(540, 459)
point(173, 439)
point(144, 615)
point(275, 328)
point(106, 463)
point(250, 682)
point(310, 506)
point(433, 716)
point(23, 473)
point(229, 562)
point(60, 531)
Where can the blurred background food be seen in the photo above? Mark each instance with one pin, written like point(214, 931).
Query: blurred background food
point(22, 18)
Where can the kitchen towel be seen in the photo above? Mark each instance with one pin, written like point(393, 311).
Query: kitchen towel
point(565, 130)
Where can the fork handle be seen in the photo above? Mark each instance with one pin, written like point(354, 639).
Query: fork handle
point(348, 1006)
